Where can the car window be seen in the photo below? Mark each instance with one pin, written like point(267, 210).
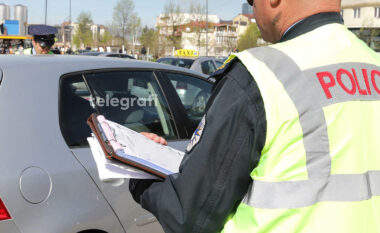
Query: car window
point(132, 99)
point(208, 67)
point(186, 63)
point(165, 61)
point(75, 108)
point(125, 56)
point(193, 93)
point(113, 55)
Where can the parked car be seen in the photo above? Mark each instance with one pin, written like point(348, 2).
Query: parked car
point(205, 65)
point(104, 54)
point(49, 181)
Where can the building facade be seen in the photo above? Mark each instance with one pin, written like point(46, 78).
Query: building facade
point(242, 21)
point(246, 9)
point(189, 30)
point(363, 18)
point(225, 38)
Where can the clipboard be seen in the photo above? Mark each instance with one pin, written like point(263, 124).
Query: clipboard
point(104, 132)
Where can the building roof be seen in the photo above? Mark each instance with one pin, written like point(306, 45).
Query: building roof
point(359, 3)
point(250, 16)
point(224, 22)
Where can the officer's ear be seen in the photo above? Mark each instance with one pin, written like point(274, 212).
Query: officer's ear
point(275, 3)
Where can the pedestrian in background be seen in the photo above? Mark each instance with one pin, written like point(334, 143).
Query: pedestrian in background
point(143, 52)
point(290, 139)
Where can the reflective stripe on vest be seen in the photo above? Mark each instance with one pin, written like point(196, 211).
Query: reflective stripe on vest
point(318, 102)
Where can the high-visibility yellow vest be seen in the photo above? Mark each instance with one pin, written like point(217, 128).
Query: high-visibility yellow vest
point(319, 170)
point(28, 51)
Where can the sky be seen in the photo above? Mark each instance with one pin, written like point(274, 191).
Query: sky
point(101, 10)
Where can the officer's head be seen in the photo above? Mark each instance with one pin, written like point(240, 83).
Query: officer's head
point(274, 17)
point(43, 37)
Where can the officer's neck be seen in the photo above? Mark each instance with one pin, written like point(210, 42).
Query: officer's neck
point(296, 11)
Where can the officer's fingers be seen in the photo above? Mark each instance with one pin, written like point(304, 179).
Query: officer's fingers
point(151, 136)
point(160, 140)
point(155, 138)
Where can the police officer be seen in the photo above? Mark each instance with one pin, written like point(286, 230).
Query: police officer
point(43, 39)
point(289, 142)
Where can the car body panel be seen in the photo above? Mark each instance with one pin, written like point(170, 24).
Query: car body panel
point(118, 196)
point(49, 186)
point(24, 146)
point(9, 226)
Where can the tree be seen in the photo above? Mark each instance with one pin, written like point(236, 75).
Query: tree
point(83, 33)
point(149, 38)
point(122, 16)
point(173, 20)
point(249, 38)
point(134, 28)
point(198, 24)
point(106, 37)
point(370, 37)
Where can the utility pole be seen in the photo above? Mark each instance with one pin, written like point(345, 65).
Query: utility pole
point(70, 12)
point(45, 12)
point(206, 27)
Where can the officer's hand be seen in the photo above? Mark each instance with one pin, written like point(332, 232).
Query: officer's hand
point(155, 138)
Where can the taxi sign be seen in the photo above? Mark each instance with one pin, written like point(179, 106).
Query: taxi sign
point(16, 37)
point(186, 53)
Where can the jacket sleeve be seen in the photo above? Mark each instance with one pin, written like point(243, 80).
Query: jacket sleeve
point(215, 173)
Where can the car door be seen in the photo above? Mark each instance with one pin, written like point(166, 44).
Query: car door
point(128, 97)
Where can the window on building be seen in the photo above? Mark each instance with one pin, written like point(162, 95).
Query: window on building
point(356, 12)
point(377, 12)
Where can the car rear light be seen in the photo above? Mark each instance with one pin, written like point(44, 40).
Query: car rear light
point(4, 214)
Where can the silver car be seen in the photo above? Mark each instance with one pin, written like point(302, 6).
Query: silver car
point(205, 65)
point(49, 181)
point(105, 54)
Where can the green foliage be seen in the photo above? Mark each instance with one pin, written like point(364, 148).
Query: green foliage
point(370, 36)
point(106, 38)
point(249, 38)
point(83, 34)
point(149, 38)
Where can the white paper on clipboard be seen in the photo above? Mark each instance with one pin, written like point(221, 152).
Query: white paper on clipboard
point(109, 170)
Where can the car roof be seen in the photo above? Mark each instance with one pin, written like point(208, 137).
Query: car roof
point(201, 58)
point(63, 64)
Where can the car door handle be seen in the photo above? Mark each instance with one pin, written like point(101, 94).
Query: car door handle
point(145, 219)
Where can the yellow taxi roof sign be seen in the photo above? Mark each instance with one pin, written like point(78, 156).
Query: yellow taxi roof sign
point(186, 53)
point(16, 37)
